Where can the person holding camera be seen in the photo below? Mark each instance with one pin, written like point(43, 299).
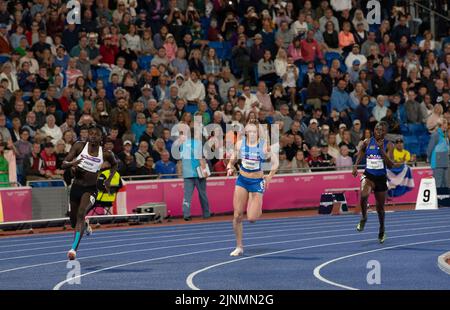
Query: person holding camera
point(229, 26)
point(241, 57)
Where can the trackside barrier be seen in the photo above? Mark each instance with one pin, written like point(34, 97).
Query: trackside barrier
point(286, 191)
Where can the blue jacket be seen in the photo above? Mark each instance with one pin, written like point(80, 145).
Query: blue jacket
point(438, 150)
point(340, 100)
point(166, 168)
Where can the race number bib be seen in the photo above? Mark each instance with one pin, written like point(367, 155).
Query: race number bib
point(375, 163)
point(250, 164)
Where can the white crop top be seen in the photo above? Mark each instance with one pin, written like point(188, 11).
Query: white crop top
point(90, 163)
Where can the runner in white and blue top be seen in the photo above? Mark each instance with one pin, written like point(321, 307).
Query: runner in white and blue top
point(251, 183)
point(379, 156)
point(251, 160)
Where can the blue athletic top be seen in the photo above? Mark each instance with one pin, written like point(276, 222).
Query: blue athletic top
point(374, 161)
point(251, 156)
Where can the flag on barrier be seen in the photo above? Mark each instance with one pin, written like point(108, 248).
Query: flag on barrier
point(400, 181)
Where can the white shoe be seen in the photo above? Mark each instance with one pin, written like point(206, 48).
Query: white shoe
point(237, 252)
point(72, 255)
point(88, 227)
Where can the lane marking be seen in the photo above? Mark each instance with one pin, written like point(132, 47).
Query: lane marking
point(320, 267)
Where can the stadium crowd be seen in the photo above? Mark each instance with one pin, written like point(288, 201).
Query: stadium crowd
point(317, 69)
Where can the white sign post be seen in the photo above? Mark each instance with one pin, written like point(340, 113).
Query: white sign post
point(427, 196)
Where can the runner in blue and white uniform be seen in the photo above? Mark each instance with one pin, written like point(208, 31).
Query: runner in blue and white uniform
point(379, 156)
point(251, 183)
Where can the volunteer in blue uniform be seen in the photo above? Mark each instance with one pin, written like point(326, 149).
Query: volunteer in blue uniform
point(192, 159)
point(252, 149)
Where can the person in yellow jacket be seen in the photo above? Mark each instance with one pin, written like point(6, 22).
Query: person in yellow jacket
point(104, 197)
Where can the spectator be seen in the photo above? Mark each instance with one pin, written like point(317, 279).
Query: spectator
point(299, 163)
point(128, 166)
point(141, 154)
point(126, 151)
point(413, 111)
point(266, 69)
point(328, 17)
point(401, 30)
point(380, 109)
point(438, 154)
point(347, 141)
point(317, 92)
point(347, 41)
point(393, 124)
point(147, 168)
point(344, 161)
point(290, 148)
point(434, 119)
point(285, 164)
point(164, 167)
point(340, 99)
point(284, 36)
point(4, 167)
point(331, 38)
point(356, 132)
point(315, 159)
point(380, 86)
point(310, 49)
point(400, 154)
point(355, 55)
point(312, 134)
point(24, 148)
point(49, 168)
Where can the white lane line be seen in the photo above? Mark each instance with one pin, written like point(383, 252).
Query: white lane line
point(196, 244)
point(267, 234)
point(320, 267)
point(190, 278)
point(326, 220)
point(156, 232)
point(255, 230)
point(189, 227)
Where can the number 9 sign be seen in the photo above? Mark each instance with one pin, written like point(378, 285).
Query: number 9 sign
point(427, 196)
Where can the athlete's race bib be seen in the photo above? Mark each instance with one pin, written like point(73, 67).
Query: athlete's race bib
point(375, 163)
point(250, 164)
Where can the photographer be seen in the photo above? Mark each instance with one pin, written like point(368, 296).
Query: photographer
point(229, 26)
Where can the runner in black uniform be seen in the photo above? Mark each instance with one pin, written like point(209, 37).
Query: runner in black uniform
point(85, 159)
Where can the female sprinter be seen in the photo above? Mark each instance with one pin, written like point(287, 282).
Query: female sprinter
point(251, 183)
point(85, 159)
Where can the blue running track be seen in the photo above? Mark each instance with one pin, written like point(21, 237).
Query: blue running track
point(321, 252)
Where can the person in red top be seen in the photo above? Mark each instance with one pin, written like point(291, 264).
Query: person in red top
point(310, 49)
point(49, 162)
point(315, 159)
point(108, 51)
point(5, 47)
